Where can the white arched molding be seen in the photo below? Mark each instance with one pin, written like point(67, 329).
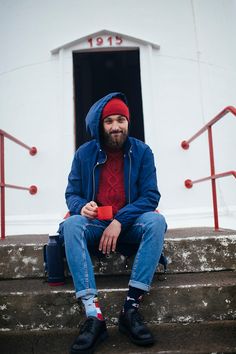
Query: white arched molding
point(102, 41)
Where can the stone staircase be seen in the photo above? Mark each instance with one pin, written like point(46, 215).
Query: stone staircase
point(192, 311)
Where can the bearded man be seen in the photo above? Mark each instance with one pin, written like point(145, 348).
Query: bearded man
point(114, 170)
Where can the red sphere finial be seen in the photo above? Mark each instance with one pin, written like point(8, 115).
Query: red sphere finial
point(33, 151)
point(188, 183)
point(33, 189)
point(185, 145)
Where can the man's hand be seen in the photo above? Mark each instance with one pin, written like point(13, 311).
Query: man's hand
point(109, 237)
point(90, 210)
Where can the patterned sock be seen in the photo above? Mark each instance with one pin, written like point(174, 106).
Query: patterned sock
point(91, 306)
point(133, 299)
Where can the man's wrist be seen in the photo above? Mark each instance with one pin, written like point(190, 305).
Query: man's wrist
point(115, 221)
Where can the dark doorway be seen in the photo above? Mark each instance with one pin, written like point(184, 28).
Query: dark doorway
point(99, 73)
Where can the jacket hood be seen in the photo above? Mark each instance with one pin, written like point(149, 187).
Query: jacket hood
point(94, 114)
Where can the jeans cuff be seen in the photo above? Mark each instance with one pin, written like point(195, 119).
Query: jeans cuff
point(137, 284)
point(81, 293)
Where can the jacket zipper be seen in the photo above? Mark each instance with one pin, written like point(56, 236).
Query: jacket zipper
point(94, 175)
point(130, 165)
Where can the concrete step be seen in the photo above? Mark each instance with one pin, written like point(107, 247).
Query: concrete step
point(192, 338)
point(182, 298)
point(187, 250)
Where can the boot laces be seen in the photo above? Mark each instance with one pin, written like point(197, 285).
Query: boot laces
point(87, 326)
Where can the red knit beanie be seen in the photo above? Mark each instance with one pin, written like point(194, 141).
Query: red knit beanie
point(115, 106)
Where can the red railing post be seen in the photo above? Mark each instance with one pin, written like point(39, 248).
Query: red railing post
point(185, 145)
point(2, 187)
point(213, 181)
point(32, 189)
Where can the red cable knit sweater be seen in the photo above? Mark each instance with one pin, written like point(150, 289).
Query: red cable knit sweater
point(111, 190)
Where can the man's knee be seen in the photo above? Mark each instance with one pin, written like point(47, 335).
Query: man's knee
point(72, 223)
point(154, 219)
point(155, 226)
point(160, 220)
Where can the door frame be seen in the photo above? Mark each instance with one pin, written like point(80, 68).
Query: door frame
point(66, 81)
point(128, 83)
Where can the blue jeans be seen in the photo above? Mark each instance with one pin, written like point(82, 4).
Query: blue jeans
point(78, 232)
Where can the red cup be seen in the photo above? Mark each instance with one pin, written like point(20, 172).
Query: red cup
point(105, 212)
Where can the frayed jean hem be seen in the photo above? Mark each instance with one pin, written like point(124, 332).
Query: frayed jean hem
point(137, 284)
point(81, 293)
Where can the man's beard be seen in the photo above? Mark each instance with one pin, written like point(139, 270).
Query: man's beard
point(112, 141)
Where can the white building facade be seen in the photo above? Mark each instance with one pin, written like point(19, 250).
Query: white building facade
point(187, 63)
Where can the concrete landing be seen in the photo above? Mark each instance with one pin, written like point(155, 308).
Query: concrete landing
point(187, 250)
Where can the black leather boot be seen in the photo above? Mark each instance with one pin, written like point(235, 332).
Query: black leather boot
point(91, 333)
point(131, 323)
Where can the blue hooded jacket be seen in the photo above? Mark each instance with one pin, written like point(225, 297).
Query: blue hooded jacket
point(141, 189)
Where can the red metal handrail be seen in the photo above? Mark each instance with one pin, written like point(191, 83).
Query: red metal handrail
point(32, 189)
point(185, 145)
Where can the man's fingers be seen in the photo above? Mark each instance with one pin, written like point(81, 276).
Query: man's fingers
point(109, 237)
point(86, 213)
point(107, 243)
point(102, 244)
point(91, 213)
point(90, 210)
point(114, 244)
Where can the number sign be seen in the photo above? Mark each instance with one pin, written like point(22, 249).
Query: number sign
point(105, 41)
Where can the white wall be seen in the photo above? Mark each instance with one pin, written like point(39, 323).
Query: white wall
point(193, 78)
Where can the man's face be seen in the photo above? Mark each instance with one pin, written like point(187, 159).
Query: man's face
point(115, 131)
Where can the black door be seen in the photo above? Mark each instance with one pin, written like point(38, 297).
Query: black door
point(98, 73)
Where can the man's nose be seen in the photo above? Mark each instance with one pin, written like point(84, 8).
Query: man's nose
point(115, 125)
